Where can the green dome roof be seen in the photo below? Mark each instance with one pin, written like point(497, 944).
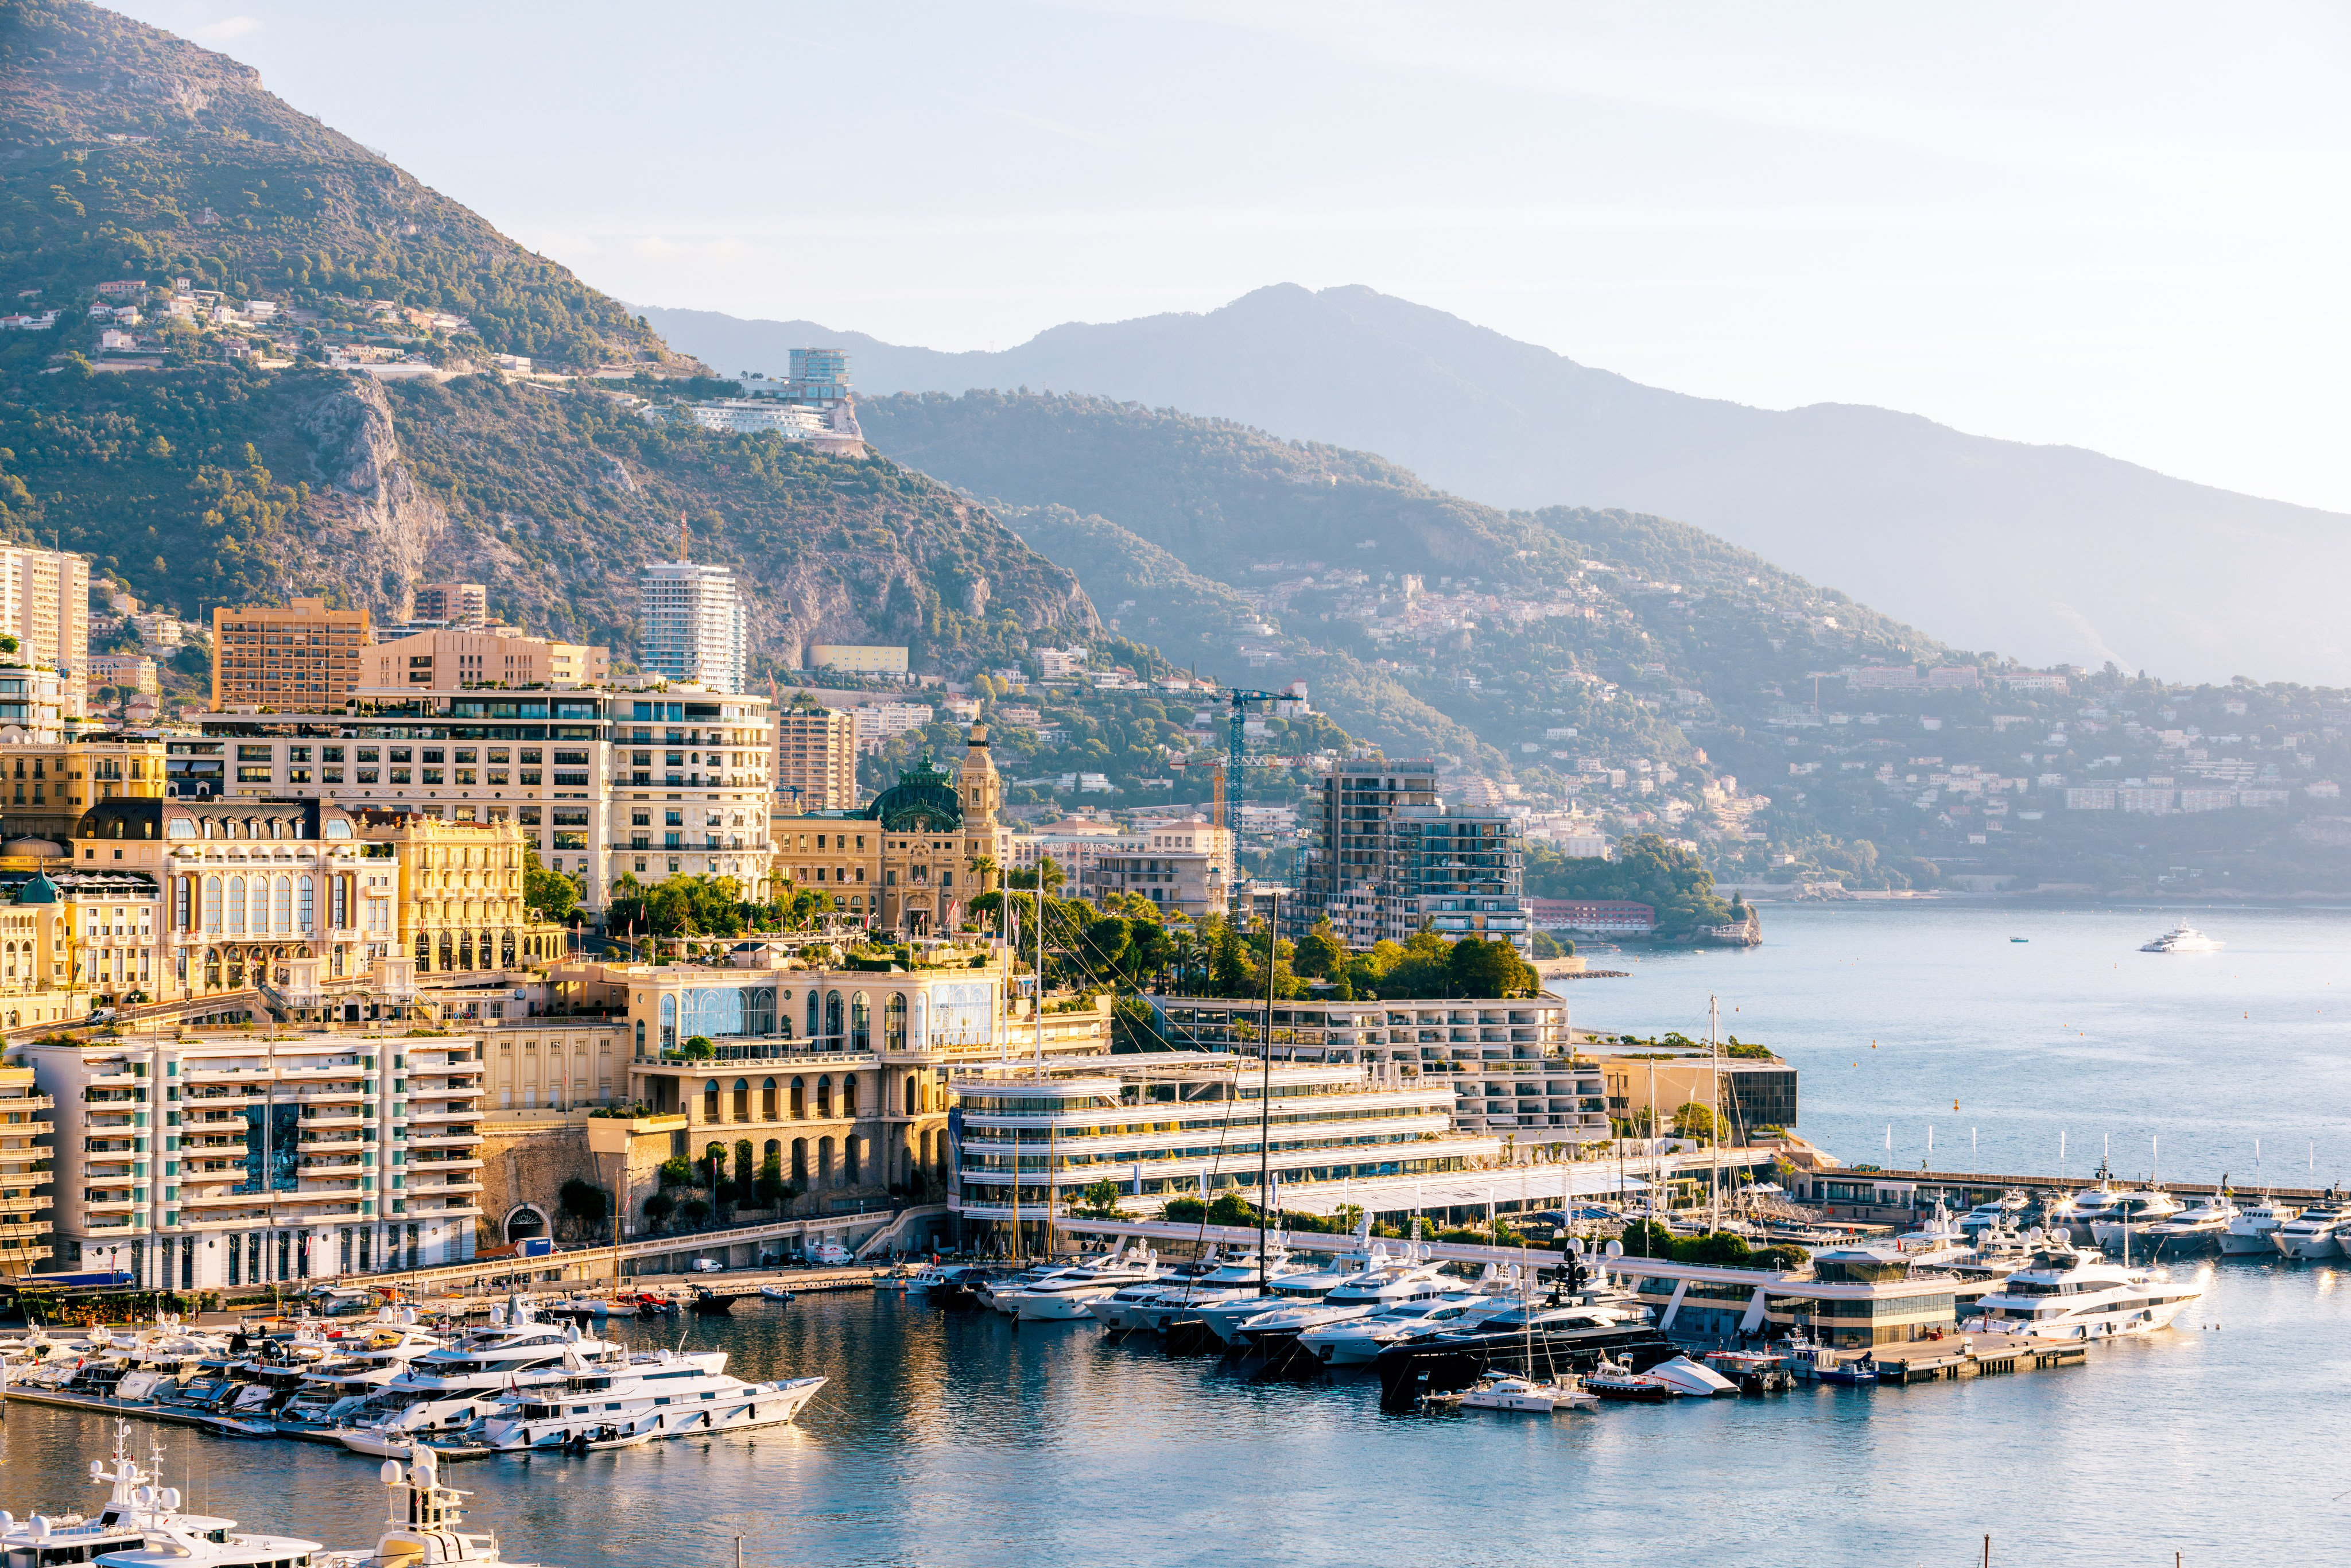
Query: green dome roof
point(923, 800)
point(41, 890)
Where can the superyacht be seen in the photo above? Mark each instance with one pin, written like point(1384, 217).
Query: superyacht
point(665, 1395)
point(2065, 1292)
point(2249, 1233)
point(2315, 1232)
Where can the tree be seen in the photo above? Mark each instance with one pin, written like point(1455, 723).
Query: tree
point(699, 1048)
point(1320, 954)
point(659, 1207)
point(772, 1188)
point(1692, 1120)
point(1232, 1209)
point(693, 1211)
point(1477, 967)
point(549, 895)
point(1547, 945)
point(1101, 1200)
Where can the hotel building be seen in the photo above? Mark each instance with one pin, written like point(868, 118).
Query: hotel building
point(693, 624)
point(300, 656)
point(25, 1173)
point(600, 782)
point(44, 605)
point(461, 658)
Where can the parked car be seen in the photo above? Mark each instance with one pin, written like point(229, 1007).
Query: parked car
point(832, 1252)
point(706, 1266)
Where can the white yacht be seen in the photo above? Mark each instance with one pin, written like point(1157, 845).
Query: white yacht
point(1358, 1296)
point(2132, 1213)
point(333, 1390)
point(446, 1390)
point(2004, 1210)
point(2065, 1292)
point(419, 1529)
point(1178, 1300)
point(1508, 1391)
point(2249, 1233)
point(1939, 1240)
point(2317, 1232)
point(1004, 1294)
point(141, 1527)
point(1224, 1318)
point(1061, 1297)
point(665, 1395)
point(2182, 940)
point(2192, 1231)
point(1358, 1342)
point(2073, 1217)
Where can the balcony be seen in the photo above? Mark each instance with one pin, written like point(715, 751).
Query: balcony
point(352, 1118)
point(445, 1138)
point(10, 1205)
point(420, 1115)
point(447, 1163)
point(422, 1189)
point(21, 1103)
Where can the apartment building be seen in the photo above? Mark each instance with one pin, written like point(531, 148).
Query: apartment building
point(816, 760)
point(693, 624)
point(298, 657)
point(463, 658)
point(47, 782)
point(600, 782)
point(212, 1162)
point(1508, 1062)
point(864, 658)
point(456, 604)
point(1390, 858)
point(878, 724)
point(25, 1195)
point(44, 605)
point(126, 673)
point(448, 895)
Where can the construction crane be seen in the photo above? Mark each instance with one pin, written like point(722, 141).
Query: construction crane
point(1236, 747)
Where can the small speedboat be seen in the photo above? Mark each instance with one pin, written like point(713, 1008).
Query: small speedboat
point(1615, 1381)
point(232, 1426)
point(775, 1292)
point(712, 1305)
point(1690, 1379)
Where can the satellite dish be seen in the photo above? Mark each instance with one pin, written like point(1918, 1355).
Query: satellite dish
point(171, 1499)
point(97, 1469)
point(391, 1472)
point(1616, 1250)
point(1575, 1244)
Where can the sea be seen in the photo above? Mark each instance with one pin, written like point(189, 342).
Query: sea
point(955, 1439)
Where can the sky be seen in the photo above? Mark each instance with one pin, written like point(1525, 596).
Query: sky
point(2121, 228)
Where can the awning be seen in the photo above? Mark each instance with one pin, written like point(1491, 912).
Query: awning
point(1546, 1186)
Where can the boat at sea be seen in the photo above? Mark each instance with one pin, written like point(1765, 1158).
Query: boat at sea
point(2193, 1230)
point(665, 1395)
point(420, 1528)
point(2315, 1233)
point(2182, 940)
point(2065, 1291)
point(1508, 1391)
point(143, 1526)
point(1062, 1297)
point(2249, 1233)
point(1385, 1284)
point(2008, 1207)
point(2130, 1214)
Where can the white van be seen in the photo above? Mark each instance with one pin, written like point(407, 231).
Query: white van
point(829, 1253)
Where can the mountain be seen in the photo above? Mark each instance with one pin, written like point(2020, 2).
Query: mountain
point(1647, 673)
point(2048, 554)
point(197, 475)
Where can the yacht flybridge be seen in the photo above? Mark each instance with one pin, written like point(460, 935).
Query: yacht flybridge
point(419, 1529)
point(2065, 1292)
point(141, 1526)
point(665, 1395)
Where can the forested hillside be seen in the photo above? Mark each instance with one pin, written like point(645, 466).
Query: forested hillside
point(197, 477)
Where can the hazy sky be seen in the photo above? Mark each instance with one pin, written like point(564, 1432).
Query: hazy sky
point(2120, 226)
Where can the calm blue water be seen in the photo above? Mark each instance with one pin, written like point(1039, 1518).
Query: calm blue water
point(956, 1441)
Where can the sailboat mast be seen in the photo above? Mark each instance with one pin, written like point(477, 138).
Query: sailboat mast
point(1714, 1108)
point(1265, 1090)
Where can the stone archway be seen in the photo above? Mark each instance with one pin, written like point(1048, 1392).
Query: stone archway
point(525, 1220)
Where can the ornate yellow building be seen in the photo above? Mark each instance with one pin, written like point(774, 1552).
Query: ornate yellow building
point(903, 862)
point(458, 894)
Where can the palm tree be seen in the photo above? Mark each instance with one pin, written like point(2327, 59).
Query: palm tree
point(983, 867)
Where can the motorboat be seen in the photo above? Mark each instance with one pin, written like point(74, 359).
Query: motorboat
point(2192, 1231)
point(2249, 1233)
point(666, 1394)
point(1064, 1297)
point(2067, 1292)
point(1360, 1295)
point(2073, 1217)
point(1939, 1240)
point(2317, 1232)
point(1356, 1342)
point(1691, 1379)
point(1115, 1265)
point(2182, 940)
point(1508, 1391)
point(776, 1293)
point(141, 1526)
point(2006, 1208)
point(330, 1391)
point(1617, 1383)
point(420, 1527)
point(446, 1390)
point(1182, 1300)
point(2130, 1213)
point(1752, 1371)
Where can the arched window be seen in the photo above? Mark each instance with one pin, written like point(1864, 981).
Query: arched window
point(236, 906)
point(742, 1104)
point(824, 1099)
point(282, 916)
point(423, 952)
point(212, 905)
point(860, 1022)
point(893, 1022)
point(669, 1022)
point(832, 1019)
point(306, 906)
point(849, 1094)
point(824, 1162)
point(447, 949)
point(710, 1101)
point(799, 1161)
point(913, 1102)
point(768, 1101)
point(506, 949)
point(815, 1016)
point(641, 1037)
point(799, 1100)
point(849, 1147)
point(464, 950)
point(211, 969)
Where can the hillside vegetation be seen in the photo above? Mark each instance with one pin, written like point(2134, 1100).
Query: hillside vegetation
point(206, 481)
